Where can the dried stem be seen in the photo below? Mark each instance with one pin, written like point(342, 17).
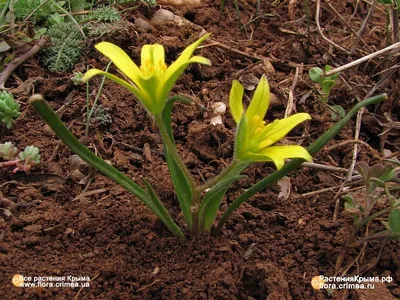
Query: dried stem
point(360, 60)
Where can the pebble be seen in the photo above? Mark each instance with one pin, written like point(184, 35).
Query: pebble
point(163, 16)
point(142, 24)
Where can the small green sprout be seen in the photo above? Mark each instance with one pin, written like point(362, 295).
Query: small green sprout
point(9, 109)
point(152, 83)
point(326, 83)
point(24, 161)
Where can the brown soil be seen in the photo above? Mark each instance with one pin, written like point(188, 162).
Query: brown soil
point(270, 248)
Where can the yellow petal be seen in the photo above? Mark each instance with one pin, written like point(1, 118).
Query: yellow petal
point(253, 157)
point(152, 53)
point(134, 90)
point(120, 59)
point(177, 67)
point(186, 54)
point(278, 129)
point(278, 154)
point(200, 60)
point(260, 102)
point(236, 101)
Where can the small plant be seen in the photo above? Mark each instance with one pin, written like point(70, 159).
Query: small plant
point(77, 78)
point(66, 47)
point(326, 83)
point(104, 14)
point(24, 161)
point(41, 8)
point(9, 109)
point(101, 116)
point(256, 140)
point(8, 151)
point(377, 180)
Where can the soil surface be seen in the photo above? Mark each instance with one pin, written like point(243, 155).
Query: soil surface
point(63, 219)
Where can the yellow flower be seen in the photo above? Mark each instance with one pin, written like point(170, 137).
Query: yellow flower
point(153, 81)
point(254, 138)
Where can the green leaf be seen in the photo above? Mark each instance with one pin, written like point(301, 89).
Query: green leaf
point(315, 74)
point(394, 221)
point(350, 206)
point(337, 113)
point(241, 136)
point(387, 174)
point(168, 109)
point(212, 201)
point(182, 185)
point(161, 211)
point(334, 76)
point(363, 169)
point(213, 198)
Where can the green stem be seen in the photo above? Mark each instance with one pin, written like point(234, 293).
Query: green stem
point(376, 236)
point(364, 221)
point(172, 149)
point(295, 163)
point(213, 181)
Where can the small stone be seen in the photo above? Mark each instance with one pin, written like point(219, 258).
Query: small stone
point(142, 24)
point(268, 67)
point(219, 108)
point(163, 16)
point(216, 120)
point(156, 270)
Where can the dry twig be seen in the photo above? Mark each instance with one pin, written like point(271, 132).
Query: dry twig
point(20, 60)
point(290, 105)
point(361, 60)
